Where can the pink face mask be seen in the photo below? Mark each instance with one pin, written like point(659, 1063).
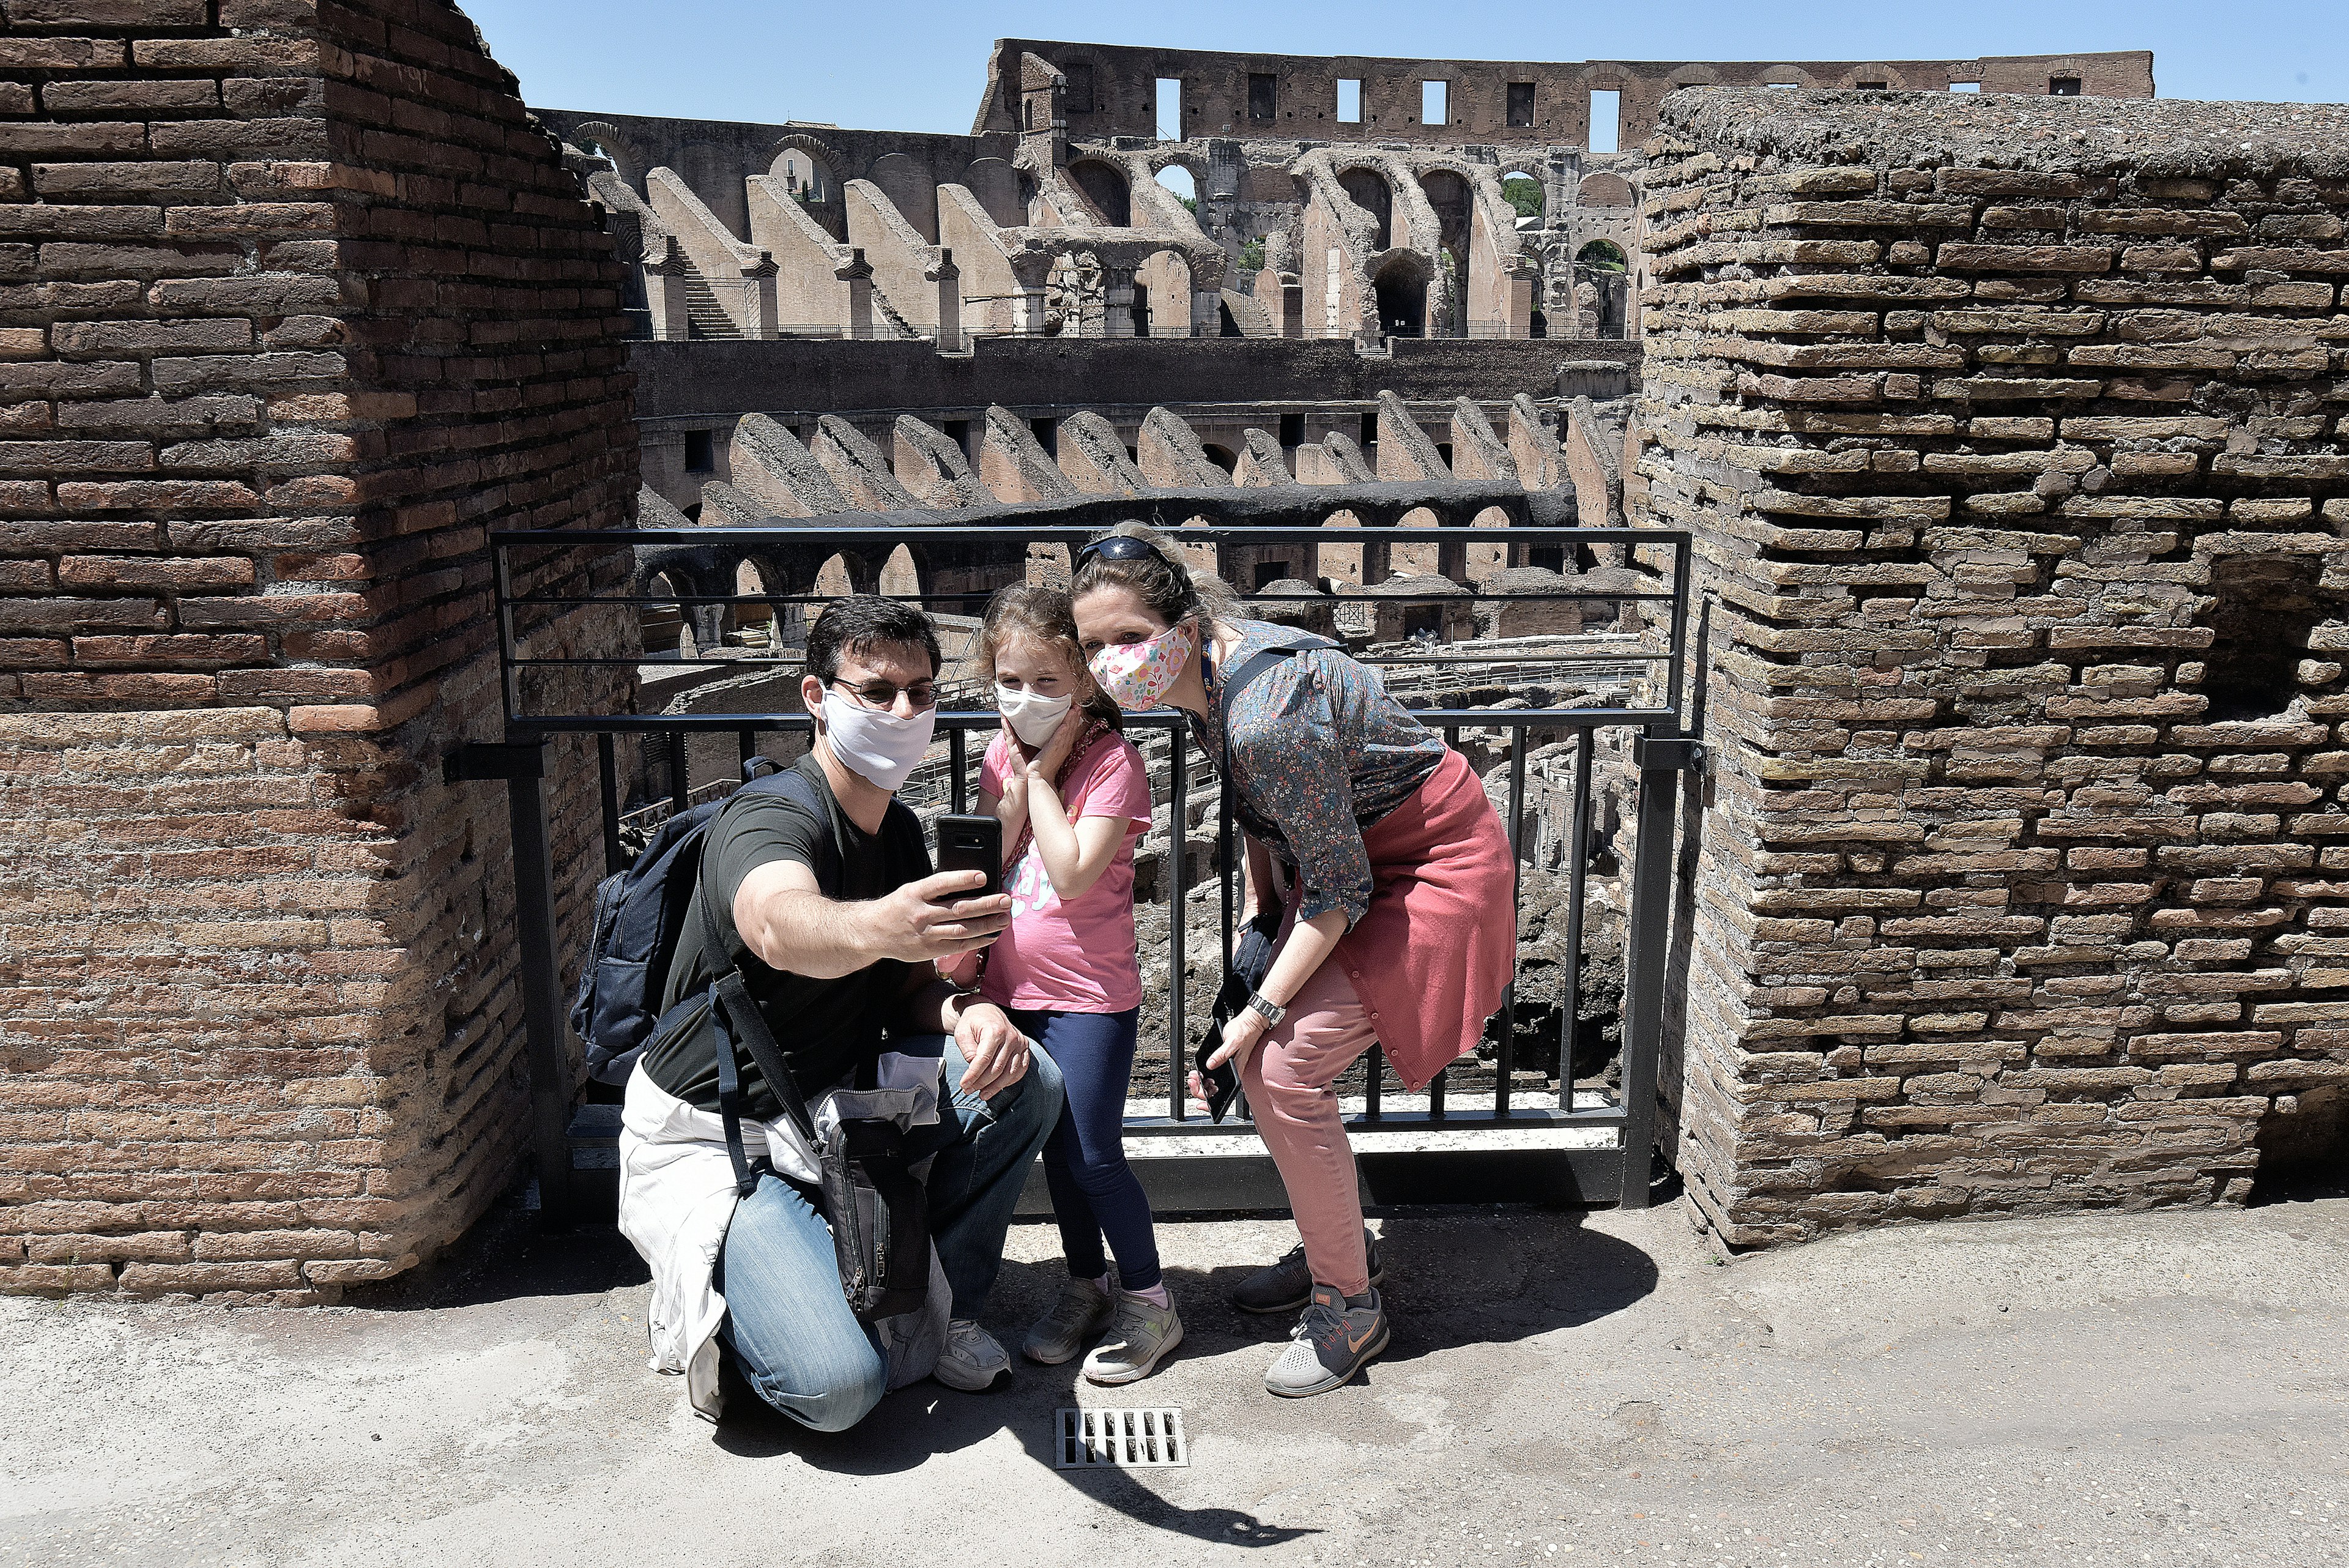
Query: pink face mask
point(1139, 675)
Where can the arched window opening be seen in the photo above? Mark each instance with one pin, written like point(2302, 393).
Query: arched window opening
point(1602, 288)
point(756, 625)
point(899, 579)
point(1178, 180)
point(665, 631)
point(1601, 255)
point(805, 178)
point(1524, 193)
point(832, 581)
point(1401, 289)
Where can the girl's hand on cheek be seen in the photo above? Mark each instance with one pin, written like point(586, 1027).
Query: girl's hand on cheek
point(1048, 763)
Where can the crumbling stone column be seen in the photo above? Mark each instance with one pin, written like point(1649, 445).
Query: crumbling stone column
point(665, 271)
point(857, 274)
point(948, 277)
point(2010, 435)
point(298, 305)
point(1117, 301)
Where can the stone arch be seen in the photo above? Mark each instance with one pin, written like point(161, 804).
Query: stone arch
point(1105, 186)
point(1452, 197)
point(811, 149)
point(809, 169)
point(1173, 176)
point(907, 571)
point(1223, 457)
point(1167, 157)
point(628, 159)
point(755, 573)
point(1768, 75)
point(1602, 281)
point(666, 623)
point(1540, 213)
point(1368, 189)
point(1874, 71)
point(1401, 285)
point(1181, 158)
point(1692, 76)
point(1605, 190)
point(836, 579)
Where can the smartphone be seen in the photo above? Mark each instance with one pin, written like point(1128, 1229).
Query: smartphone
point(972, 843)
point(1221, 1083)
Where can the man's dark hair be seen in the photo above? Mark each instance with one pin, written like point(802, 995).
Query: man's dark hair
point(857, 625)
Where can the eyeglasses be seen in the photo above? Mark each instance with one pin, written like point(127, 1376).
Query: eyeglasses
point(1117, 548)
point(882, 696)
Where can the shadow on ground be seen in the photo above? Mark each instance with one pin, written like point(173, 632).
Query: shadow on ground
point(509, 1256)
point(1452, 1279)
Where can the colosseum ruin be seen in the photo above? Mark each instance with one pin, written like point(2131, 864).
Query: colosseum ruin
point(1909, 496)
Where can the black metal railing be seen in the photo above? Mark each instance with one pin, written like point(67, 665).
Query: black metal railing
point(1584, 1145)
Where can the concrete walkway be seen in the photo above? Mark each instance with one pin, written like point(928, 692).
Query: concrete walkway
point(2166, 1389)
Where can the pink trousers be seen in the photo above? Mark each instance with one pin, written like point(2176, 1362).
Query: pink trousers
point(1289, 1077)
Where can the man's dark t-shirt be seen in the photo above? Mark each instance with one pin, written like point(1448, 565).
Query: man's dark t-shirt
point(826, 1027)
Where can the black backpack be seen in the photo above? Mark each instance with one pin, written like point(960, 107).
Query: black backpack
point(640, 914)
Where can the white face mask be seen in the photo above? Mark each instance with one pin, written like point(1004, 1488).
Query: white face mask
point(880, 748)
point(1033, 716)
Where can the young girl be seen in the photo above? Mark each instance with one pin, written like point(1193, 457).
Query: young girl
point(1073, 798)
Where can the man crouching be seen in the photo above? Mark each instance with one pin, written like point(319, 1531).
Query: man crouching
point(831, 913)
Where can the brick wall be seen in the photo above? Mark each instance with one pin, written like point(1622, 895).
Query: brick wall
point(2012, 431)
point(295, 304)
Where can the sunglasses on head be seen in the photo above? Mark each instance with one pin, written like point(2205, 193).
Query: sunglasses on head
point(1117, 548)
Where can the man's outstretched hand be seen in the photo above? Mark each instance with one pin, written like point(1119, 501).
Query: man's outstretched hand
point(995, 1050)
point(923, 920)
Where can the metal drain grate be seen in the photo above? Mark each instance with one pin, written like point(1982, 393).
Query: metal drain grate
point(1147, 1438)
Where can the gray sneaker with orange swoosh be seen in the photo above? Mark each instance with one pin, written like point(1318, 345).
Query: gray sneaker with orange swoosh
point(1329, 1345)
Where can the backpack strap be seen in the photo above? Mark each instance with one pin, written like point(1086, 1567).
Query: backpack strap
point(734, 1013)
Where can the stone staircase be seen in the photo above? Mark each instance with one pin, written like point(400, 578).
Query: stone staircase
point(705, 316)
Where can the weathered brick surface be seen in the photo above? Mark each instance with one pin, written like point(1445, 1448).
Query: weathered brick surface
point(2026, 860)
point(295, 303)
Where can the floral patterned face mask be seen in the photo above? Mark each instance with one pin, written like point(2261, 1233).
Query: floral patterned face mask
point(1139, 675)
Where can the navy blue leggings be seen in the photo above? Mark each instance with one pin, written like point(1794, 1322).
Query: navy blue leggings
point(1093, 1190)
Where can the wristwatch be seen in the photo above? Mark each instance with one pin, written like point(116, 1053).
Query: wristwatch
point(1270, 1011)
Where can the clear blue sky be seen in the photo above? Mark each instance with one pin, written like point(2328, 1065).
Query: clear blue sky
point(907, 65)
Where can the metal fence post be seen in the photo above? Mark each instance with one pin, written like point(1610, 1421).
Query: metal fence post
point(521, 764)
point(542, 992)
point(1660, 754)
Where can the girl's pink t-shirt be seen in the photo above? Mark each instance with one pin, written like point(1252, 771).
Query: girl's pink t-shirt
point(1077, 957)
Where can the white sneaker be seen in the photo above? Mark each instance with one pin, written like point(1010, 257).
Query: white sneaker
point(1077, 1314)
point(971, 1360)
point(1140, 1336)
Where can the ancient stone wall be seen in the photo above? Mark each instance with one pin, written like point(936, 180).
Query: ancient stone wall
point(2011, 431)
point(1113, 90)
point(297, 303)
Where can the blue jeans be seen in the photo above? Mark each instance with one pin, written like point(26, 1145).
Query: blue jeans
point(786, 1323)
point(1093, 1190)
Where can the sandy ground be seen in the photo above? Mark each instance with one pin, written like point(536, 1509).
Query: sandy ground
point(2166, 1389)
